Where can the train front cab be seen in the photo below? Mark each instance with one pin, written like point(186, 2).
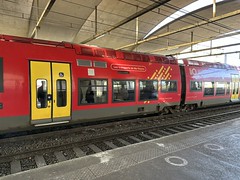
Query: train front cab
point(50, 92)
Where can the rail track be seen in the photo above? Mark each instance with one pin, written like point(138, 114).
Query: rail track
point(33, 151)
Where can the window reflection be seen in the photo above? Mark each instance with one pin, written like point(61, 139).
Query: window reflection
point(208, 88)
point(148, 89)
point(123, 91)
point(92, 91)
point(228, 88)
point(61, 93)
point(196, 86)
point(220, 89)
point(168, 86)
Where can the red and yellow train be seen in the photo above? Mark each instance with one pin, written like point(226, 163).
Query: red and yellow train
point(47, 83)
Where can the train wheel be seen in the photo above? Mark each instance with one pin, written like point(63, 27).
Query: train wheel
point(165, 110)
point(172, 110)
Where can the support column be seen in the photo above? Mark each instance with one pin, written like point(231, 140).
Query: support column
point(168, 36)
point(95, 20)
point(137, 26)
point(211, 47)
point(37, 12)
point(225, 58)
point(191, 41)
point(214, 8)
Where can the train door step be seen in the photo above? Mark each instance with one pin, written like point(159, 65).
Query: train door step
point(51, 123)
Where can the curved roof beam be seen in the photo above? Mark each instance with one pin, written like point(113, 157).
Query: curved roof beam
point(223, 37)
point(45, 12)
point(212, 20)
point(182, 12)
point(128, 19)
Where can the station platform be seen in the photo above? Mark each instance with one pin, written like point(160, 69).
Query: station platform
point(211, 152)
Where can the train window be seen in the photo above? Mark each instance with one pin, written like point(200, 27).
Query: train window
point(220, 88)
point(196, 86)
point(92, 91)
point(168, 86)
point(1, 74)
point(228, 88)
point(100, 64)
point(235, 88)
point(148, 89)
point(123, 90)
point(85, 63)
point(61, 93)
point(208, 88)
point(41, 86)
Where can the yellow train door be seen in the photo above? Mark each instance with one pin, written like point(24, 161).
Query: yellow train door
point(40, 87)
point(50, 92)
point(235, 87)
point(61, 91)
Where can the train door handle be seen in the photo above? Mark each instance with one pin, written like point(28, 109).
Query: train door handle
point(49, 97)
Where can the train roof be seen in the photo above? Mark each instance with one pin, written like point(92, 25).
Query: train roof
point(217, 65)
point(96, 51)
point(87, 50)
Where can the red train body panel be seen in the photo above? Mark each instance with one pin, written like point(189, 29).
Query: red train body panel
point(81, 83)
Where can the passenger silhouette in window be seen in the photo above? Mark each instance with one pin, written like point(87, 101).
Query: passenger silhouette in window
point(90, 96)
point(123, 93)
point(148, 90)
point(42, 95)
point(194, 86)
point(80, 95)
point(172, 87)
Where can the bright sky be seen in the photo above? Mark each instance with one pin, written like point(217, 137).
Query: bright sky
point(182, 12)
point(233, 58)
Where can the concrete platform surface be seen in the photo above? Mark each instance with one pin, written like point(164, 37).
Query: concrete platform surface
point(212, 152)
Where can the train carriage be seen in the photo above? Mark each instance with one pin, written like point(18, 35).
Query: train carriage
point(129, 87)
point(48, 83)
point(210, 83)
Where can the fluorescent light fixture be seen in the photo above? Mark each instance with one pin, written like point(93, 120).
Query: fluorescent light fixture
point(182, 12)
point(100, 36)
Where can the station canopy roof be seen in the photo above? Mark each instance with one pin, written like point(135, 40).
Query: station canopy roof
point(167, 27)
